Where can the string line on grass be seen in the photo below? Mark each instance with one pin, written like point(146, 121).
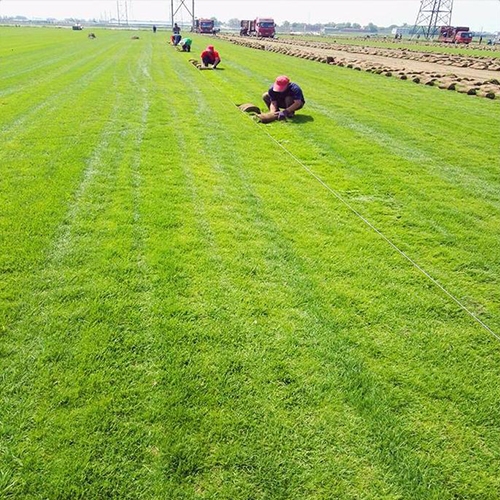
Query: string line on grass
point(368, 223)
point(383, 236)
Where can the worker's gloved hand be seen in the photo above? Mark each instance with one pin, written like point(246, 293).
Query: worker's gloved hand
point(282, 115)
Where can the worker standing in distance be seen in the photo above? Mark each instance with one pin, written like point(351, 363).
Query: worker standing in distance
point(284, 98)
point(210, 57)
point(176, 37)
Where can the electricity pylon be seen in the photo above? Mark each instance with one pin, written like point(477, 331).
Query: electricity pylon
point(182, 4)
point(122, 8)
point(432, 14)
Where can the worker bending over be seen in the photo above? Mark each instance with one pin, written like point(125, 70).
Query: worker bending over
point(284, 97)
point(210, 57)
point(185, 44)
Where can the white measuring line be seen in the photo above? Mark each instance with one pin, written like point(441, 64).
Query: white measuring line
point(382, 235)
point(371, 226)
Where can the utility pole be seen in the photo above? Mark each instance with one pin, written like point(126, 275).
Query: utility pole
point(432, 14)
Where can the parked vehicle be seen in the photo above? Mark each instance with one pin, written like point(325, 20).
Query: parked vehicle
point(452, 34)
point(204, 25)
point(263, 27)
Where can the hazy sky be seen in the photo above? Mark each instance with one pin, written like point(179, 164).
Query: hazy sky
point(478, 14)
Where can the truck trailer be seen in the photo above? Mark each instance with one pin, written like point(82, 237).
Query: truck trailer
point(452, 34)
point(263, 27)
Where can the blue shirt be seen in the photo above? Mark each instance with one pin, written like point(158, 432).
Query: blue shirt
point(292, 90)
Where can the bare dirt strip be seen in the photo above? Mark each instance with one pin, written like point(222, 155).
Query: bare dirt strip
point(471, 75)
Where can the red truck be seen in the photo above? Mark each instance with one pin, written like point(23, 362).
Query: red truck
point(263, 27)
point(204, 25)
point(452, 34)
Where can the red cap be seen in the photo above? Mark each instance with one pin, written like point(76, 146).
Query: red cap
point(281, 83)
point(211, 48)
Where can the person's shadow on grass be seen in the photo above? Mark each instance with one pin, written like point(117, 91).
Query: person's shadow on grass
point(301, 119)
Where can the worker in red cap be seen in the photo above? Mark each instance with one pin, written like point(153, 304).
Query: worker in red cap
point(284, 97)
point(210, 57)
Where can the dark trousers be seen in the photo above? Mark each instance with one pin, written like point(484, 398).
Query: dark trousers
point(209, 60)
point(186, 48)
point(283, 102)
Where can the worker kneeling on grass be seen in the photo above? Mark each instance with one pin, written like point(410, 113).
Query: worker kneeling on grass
point(284, 97)
point(185, 43)
point(210, 57)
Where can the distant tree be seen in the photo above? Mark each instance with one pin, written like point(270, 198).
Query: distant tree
point(285, 26)
point(372, 28)
point(311, 27)
point(342, 26)
point(233, 23)
point(216, 21)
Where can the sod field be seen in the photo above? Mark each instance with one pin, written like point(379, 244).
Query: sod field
point(194, 305)
point(388, 42)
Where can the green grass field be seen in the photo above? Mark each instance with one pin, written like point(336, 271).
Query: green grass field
point(197, 306)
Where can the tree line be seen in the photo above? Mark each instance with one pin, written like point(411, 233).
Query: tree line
point(296, 26)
